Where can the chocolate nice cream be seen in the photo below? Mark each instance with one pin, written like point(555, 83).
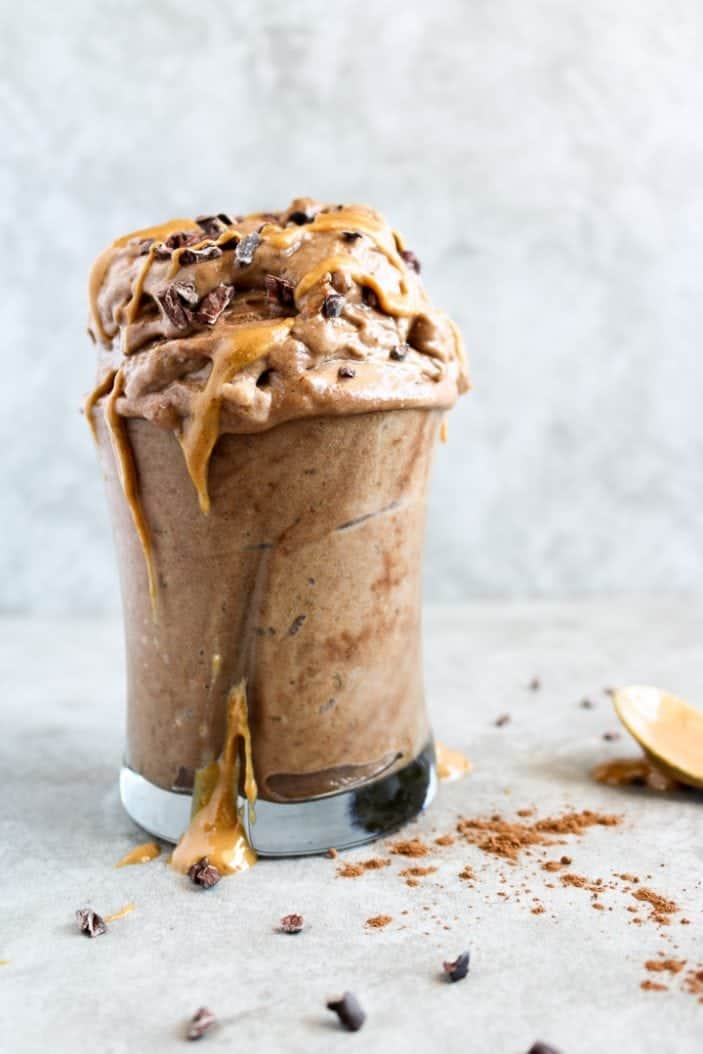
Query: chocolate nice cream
point(270, 391)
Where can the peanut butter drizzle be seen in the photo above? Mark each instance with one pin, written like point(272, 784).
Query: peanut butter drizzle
point(451, 765)
point(126, 910)
point(201, 430)
point(97, 393)
point(216, 829)
point(128, 478)
point(141, 854)
point(398, 304)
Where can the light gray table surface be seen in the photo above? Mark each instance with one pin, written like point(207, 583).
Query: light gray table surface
point(570, 976)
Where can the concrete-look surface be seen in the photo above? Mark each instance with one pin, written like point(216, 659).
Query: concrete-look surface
point(545, 162)
point(570, 975)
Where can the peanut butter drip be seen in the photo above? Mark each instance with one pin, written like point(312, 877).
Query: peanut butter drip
point(216, 829)
point(451, 765)
point(141, 854)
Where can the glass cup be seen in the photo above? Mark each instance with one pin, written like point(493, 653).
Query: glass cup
point(305, 580)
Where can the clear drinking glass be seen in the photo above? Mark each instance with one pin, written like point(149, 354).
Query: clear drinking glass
point(304, 579)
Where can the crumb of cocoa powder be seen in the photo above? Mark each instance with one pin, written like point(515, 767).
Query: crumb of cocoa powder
point(598, 906)
point(665, 965)
point(445, 839)
point(661, 906)
point(467, 874)
point(410, 847)
point(556, 865)
point(526, 812)
point(535, 684)
point(355, 870)
point(332, 853)
point(417, 872)
point(377, 922)
point(412, 882)
point(501, 720)
point(538, 910)
point(653, 986)
point(693, 982)
point(626, 877)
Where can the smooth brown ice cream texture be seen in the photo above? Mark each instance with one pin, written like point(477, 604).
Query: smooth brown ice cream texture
point(289, 558)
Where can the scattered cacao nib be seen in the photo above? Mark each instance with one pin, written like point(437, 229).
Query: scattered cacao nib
point(411, 260)
point(201, 1022)
point(542, 1048)
point(214, 303)
point(244, 253)
point(587, 704)
point(90, 923)
point(230, 243)
point(214, 225)
point(299, 217)
point(332, 305)
point(369, 297)
point(296, 624)
point(346, 371)
point(194, 256)
point(186, 293)
point(610, 737)
point(292, 923)
point(203, 873)
point(501, 720)
point(535, 684)
point(173, 307)
point(350, 236)
point(280, 290)
point(399, 352)
point(457, 970)
point(348, 1010)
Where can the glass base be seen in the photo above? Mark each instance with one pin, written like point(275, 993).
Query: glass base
point(338, 821)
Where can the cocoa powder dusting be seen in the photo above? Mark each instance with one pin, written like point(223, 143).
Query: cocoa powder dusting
point(417, 872)
point(410, 847)
point(509, 839)
point(665, 965)
point(355, 870)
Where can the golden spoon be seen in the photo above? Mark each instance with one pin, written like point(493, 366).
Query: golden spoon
point(669, 730)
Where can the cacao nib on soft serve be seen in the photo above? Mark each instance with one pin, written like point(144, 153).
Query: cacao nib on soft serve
point(244, 253)
point(332, 305)
point(280, 290)
point(411, 260)
point(214, 225)
point(173, 307)
point(192, 256)
point(214, 303)
point(299, 218)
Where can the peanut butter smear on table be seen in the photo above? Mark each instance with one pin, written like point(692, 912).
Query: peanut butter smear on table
point(451, 765)
point(216, 829)
point(126, 910)
point(236, 324)
point(141, 854)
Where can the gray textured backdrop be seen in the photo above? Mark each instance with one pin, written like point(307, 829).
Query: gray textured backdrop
point(544, 159)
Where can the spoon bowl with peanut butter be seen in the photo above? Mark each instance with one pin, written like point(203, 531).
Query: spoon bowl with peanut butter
point(669, 730)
